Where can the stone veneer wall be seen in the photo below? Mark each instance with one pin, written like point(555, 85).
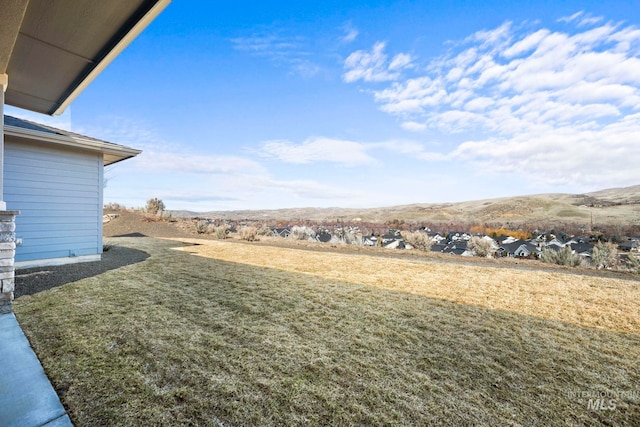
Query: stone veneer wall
point(7, 255)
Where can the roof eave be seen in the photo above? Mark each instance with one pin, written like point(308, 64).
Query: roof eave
point(120, 46)
point(121, 152)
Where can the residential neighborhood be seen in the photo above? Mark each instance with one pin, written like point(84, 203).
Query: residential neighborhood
point(458, 242)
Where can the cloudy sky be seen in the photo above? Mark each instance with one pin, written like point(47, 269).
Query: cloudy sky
point(369, 103)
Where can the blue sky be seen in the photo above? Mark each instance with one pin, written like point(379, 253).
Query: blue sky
point(279, 104)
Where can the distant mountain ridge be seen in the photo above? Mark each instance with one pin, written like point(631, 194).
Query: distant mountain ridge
point(610, 206)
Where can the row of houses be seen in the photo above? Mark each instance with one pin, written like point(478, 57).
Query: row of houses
point(527, 248)
point(457, 243)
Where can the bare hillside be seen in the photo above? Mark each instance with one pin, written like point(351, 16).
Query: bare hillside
point(611, 206)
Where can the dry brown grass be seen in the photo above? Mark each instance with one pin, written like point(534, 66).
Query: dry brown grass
point(253, 335)
point(581, 300)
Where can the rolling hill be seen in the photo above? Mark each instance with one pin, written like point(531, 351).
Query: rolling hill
point(610, 206)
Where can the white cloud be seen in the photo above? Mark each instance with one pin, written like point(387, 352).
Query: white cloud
point(281, 49)
point(571, 18)
point(562, 156)
point(319, 149)
point(266, 44)
point(122, 130)
point(590, 20)
point(414, 126)
point(344, 152)
point(153, 160)
point(204, 182)
point(492, 38)
point(350, 34)
point(373, 66)
point(400, 61)
point(308, 189)
point(526, 44)
point(480, 103)
point(305, 68)
point(581, 19)
point(556, 106)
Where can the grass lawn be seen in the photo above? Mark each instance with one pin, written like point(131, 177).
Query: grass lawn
point(244, 334)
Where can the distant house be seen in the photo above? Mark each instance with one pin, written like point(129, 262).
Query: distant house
point(584, 249)
point(519, 248)
point(458, 247)
point(526, 250)
point(458, 235)
point(558, 241)
point(280, 232)
point(578, 239)
point(55, 179)
point(629, 245)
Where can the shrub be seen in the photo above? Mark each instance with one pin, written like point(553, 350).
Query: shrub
point(302, 233)
point(605, 255)
point(633, 263)
point(264, 231)
point(417, 239)
point(166, 216)
point(564, 256)
point(481, 247)
point(154, 206)
point(202, 227)
point(219, 232)
point(353, 238)
point(115, 207)
point(250, 234)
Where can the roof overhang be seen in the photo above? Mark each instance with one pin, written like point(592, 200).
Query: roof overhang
point(111, 153)
point(53, 49)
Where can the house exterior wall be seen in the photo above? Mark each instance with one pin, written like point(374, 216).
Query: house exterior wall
point(58, 192)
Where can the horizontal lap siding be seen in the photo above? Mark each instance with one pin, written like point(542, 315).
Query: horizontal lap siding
point(58, 192)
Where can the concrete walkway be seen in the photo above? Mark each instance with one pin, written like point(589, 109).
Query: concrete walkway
point(27, 398)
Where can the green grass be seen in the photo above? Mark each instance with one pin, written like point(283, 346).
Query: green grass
point(180, 339)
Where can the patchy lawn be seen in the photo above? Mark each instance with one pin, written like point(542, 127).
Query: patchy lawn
point(252, 335)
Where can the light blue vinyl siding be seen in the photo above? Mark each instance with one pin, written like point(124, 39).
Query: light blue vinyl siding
point(58, 192)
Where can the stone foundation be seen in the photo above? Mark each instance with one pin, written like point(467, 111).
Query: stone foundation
point(7, 255)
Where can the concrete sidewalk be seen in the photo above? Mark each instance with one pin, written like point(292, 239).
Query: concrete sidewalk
point(27, 398)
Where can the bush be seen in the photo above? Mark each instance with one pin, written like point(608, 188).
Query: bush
point(115, 207)
point(417, 239)
point(633, 263)
point(166, 216)
point(154, 206)
point(302, 233)
point(481, 247)
point(264, 231)
point(202, 227)
point(564, 256)
point(353, 238)
point(250, 234)
point(605, 255)
point(219, 232)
